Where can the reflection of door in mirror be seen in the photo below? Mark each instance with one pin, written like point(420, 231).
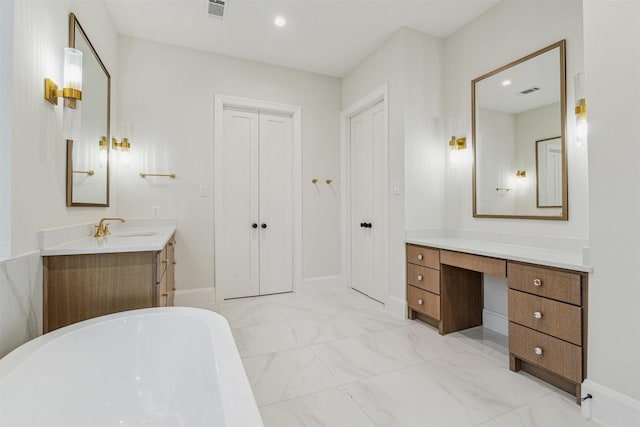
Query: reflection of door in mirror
point(549, 173)
point(513, 107)
point(88, 157)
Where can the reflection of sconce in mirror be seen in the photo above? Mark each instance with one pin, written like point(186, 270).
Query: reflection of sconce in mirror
point(521, 174)
point(456, 145)
point(123, 146)
point(104, 147)
point(71, 92)
point(581, 109)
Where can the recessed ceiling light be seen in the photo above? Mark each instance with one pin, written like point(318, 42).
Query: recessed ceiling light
point(280, 21)
point(506, 83)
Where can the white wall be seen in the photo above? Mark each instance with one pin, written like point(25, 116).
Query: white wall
point(411, 63)
point(38, 151)
point(38, 172)
point(612, 65)
point(6, 83)
point(167, 96)
point(506, 32)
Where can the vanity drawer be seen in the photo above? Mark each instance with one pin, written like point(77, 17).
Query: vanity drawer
point(555, 318)
point(483, 264)
point(558, 356)
point(426, 257)
point(559, 285)
point(423, 278)
point(424, 302)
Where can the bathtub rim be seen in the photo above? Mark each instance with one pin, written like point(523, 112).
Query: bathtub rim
point(238, 402)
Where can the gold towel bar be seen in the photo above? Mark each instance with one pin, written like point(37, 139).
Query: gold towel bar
point(170, 175)
point(89, 172)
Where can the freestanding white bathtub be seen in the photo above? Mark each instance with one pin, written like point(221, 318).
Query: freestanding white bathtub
point(168, 367)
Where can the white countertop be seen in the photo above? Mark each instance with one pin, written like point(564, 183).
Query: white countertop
point(571, 260)
point(138, 237)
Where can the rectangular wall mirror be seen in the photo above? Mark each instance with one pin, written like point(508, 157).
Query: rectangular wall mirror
point(518, 125)
point(88, 157)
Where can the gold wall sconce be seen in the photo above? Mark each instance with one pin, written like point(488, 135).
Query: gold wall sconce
point(521, 174)
point(124, 146)
point(71, 92)
point(457, 143)
point(581, 109)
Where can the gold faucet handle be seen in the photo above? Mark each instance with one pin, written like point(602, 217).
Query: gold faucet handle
point(106, 230)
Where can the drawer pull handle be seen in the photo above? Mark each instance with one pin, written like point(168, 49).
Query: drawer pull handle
point(420, 256)
point(419, 277)
point(537, 315)
point(537, 282)
point(537, 351)
point(420, 301)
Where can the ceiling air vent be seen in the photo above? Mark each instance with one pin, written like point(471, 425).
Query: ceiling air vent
point(216, 8)
point(530, 90)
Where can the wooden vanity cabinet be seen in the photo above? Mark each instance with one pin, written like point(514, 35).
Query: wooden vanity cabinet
point(547, 309)
point(80, 287)
point(548, 324)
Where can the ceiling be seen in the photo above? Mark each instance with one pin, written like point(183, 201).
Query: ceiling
point(323, 36)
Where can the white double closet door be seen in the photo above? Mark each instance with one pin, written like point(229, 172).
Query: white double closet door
point(253, 204)
point(368, 159)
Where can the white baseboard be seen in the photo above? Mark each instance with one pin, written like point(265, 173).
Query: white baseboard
point(495, 321)
point(609, 407)
point(321, 283)
point(396, 306)
point(195, 297)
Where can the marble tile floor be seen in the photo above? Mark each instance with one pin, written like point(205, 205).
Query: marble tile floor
point(337, 358)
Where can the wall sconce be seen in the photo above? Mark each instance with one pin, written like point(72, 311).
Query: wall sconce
point(455, 149)
point(521, 174)
point(71, 92)
point(123, 146)
point(581, 109)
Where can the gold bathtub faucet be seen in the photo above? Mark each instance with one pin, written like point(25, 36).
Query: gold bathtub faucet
point(102, 229)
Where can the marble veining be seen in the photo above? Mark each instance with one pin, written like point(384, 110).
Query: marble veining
point(340, 359)
point(20, 301)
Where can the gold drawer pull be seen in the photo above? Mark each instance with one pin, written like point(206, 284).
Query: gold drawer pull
point(537, 282)
point(420, 256)
point(419, 277)
point(420, 301)
point(164, 294)
point(537, 351)
point(537, 315)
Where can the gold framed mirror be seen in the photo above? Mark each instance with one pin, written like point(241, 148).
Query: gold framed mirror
point(517, 110)
point(88, 157)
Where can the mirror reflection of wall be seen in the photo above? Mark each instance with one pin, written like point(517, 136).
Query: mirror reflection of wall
point(514, 107)
point(88, 157)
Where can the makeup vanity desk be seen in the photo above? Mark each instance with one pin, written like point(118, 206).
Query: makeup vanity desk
point(547, 300)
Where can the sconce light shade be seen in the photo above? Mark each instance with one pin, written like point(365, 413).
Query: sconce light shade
point(521, 174)
point(455, 147)
point(124, 146)
point(581, 109)
point(71, 91)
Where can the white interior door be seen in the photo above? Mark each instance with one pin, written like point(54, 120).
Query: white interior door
point(236, 206)
point(253, 204)
point(276, 233)
point(368, 156)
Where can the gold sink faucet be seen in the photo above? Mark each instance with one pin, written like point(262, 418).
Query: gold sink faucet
point(102, 229)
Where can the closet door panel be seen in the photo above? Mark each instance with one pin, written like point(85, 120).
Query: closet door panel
point(276, 240)
point(236, 206)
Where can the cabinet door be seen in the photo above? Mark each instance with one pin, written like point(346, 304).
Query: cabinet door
point(171, 281)
point(276, 237)
point(236, 161)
